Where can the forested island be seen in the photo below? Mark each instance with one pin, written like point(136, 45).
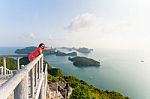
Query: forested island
point(83, 61)
point(81, 89)
point(81, 50)
point(25, 50)
point(30, 49)
point(59, 53)
point(84, 50)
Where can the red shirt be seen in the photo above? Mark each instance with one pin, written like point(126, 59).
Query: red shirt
point(34, 54)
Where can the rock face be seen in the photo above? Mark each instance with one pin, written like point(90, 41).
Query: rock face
point(58, 53)
point(83, 61)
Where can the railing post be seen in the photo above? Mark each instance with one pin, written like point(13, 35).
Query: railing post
point(1, 70)
point(42, 91)
point(42, 95)
point(39, 69)
point(21, 91)
point(35, 74)
point(32, 82)
point(42, 64)
point(45, 87)
point(18, 64)
point(4, 63)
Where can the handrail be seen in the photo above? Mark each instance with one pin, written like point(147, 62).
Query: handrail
point(33, 63)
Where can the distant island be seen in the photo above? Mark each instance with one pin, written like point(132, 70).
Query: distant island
point(58, 53)
point(84, 50)
point(67, 48)
point(81, 50)
point(83, 61)
point(25, 50)
point(30, 49)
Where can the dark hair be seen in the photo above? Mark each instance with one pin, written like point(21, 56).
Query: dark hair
point(41, 44)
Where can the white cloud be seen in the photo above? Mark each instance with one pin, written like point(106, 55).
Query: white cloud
point(50, 36)
point(32, 36)
point(84, 21)
point(90, 30)
point(121, 26)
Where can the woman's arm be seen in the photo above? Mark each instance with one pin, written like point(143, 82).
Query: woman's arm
point(46, 49)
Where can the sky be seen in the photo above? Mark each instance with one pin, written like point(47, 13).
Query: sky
point(75, 23)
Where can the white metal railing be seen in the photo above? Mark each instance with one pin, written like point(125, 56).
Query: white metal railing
point(8, 72)
point(14, 56)
point(28, 82)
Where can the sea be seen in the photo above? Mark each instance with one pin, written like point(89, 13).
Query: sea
point(123, 71)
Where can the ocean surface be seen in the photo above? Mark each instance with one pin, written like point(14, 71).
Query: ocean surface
point(124, 71)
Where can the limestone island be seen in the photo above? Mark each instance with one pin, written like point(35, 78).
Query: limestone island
point(30, 49)
point(84, 50)
point(83, 61)
point(81, 50)
point(67, 48)
point(25, 50)
point(58, 53)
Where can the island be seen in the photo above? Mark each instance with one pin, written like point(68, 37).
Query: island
point(59, 53)
point(67, 48)
point(81, 50)
point(84, 50)
point(83, 61)
point(30, 49)
point(25, 50)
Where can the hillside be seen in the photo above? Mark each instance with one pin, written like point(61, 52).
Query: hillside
point(81, 89)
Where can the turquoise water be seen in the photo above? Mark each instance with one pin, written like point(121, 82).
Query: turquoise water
point(8, 50)
point(120, 70)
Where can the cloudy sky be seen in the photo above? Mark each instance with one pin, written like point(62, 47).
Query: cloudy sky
point(88, 23)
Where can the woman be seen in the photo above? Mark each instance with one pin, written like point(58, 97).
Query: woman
point(37, 51)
